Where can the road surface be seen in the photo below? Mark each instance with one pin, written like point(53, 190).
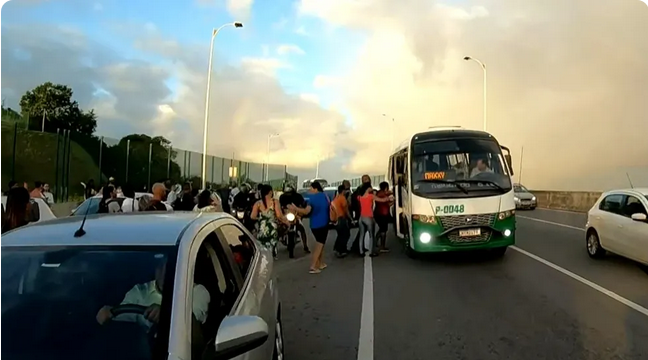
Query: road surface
point(546, 299)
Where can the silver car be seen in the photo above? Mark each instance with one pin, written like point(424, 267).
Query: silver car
point(175, 286)
point(524, 199)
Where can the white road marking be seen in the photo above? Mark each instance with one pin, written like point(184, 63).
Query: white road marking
point(581, 279)
point(366, 340)
point(552, 223)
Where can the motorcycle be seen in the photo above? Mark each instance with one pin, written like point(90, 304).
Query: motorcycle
point(243, 215)
point(290, 236)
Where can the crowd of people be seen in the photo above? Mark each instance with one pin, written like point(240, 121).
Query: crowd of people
point(265, 215)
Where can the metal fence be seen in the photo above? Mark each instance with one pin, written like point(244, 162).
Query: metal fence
point(375, 180)
point(65, 159)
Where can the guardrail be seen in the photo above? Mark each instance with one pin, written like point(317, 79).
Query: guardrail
point(579, 201)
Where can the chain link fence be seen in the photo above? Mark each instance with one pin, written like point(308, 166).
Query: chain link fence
point(66, 159)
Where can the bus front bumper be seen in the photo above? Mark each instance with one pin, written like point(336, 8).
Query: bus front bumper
point(500, 234)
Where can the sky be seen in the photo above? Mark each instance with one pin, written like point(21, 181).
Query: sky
point(566, 79)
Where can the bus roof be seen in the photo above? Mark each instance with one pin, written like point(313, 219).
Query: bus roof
point(444, 132)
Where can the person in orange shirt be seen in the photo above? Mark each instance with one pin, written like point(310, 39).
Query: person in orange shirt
point(340, 210)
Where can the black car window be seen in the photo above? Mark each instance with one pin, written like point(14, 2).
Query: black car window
point(241, 246)
point(633, 206)
point(612, 203)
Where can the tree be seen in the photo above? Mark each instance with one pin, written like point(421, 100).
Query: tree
point(54, 102)
point(138, 162)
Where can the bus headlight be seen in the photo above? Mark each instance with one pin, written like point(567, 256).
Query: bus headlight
point(507, 233)
point(429, 219)
point(505, 214)
point(290, 217)
point(425, 238)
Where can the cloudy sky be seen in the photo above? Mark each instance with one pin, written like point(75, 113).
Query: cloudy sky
point(567, 80)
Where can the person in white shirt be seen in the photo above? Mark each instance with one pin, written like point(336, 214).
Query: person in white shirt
point(481, 167)
point(149, 294)
point(47, 195)
point(130, 204)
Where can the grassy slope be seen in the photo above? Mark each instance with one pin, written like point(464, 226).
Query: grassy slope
point(36, 159)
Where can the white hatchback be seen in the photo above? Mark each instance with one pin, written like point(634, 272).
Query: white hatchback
point(618, 222)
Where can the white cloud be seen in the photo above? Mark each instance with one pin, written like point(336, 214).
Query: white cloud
point(551, 88)
point(310, 97)
point(302, 31)
point(266, 66)
point(240, 9)
point(285, 49)
point(326, 81)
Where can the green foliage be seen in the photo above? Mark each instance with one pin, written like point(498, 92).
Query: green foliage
point(54, 103)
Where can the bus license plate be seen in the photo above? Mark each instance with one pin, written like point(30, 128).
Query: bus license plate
point(469, 232)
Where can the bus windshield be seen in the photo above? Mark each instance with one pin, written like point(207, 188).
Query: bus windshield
point(464, 167)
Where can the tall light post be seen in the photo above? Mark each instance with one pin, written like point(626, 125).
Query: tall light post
point(483, 66)
point(392, 131)
point(267, 174)
point(209, 71)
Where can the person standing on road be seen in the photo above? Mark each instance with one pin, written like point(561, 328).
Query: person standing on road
point(157, 202)
point(129, 204)
point(382, 216)
point(341, 210)
point(319, 210)
point(268, 212)
point(47, 195)
point(108, 203)
point(355, 210)
point(38, 190)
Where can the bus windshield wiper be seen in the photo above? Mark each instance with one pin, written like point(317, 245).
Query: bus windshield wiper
point(473, 181)
point(439, 181)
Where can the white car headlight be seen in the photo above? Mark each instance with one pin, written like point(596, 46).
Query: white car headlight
point(533, 198)
point(516, 198)
point(240, 214)
point(290, 217)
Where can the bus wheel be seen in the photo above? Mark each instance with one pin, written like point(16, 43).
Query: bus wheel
point(499, 252)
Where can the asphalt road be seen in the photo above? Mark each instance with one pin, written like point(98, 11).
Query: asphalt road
point(546, 299)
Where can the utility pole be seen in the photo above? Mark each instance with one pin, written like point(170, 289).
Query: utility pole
point(520, 172)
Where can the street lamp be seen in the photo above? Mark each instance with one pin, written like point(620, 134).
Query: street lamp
point(209, 71)
point(468, 58)
point(392, 131)
point(267, 175)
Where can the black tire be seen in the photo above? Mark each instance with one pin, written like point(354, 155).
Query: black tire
point(499, 252)
point(593, 245)
point(533, 208)
point(279, 350)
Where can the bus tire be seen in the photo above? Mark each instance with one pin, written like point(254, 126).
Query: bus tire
point(499, 252)
point(411, 253)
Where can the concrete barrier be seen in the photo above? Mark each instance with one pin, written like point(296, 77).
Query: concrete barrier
point(579, 201)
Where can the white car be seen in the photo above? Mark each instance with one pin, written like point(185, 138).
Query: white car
point(618, 223)
point(43, 209)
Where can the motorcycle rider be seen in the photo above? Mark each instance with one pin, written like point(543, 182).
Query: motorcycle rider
point(244, 201)
point(290, 196)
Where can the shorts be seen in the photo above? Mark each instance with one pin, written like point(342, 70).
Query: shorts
point(383, 222)
point(320, 234)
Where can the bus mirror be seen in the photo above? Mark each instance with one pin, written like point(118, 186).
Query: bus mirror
point(509, 161)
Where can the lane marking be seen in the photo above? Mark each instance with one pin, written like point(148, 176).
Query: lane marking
point(552, 223)
point(366, 340)
point(581, 279)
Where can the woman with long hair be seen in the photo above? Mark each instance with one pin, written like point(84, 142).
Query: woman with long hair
point(108, 203)
point(208, 202)
point(367, 199)
point(319, 209)
point(15, 213)
point(268, 212)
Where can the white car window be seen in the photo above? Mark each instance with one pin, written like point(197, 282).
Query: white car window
point(612, 203)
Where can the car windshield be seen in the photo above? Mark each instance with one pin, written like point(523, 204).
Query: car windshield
point(464, 167)
point(92, 204)
point(52, 300)
point(520, 188)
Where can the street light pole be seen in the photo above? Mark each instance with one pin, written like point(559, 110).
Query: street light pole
point(209, 71)
point(483, 66)
point(267, 174)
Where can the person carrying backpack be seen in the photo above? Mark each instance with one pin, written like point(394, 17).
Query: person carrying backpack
point(108, 203)
point(157, 202)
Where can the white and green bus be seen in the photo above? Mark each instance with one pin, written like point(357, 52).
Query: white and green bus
point(453, 191)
